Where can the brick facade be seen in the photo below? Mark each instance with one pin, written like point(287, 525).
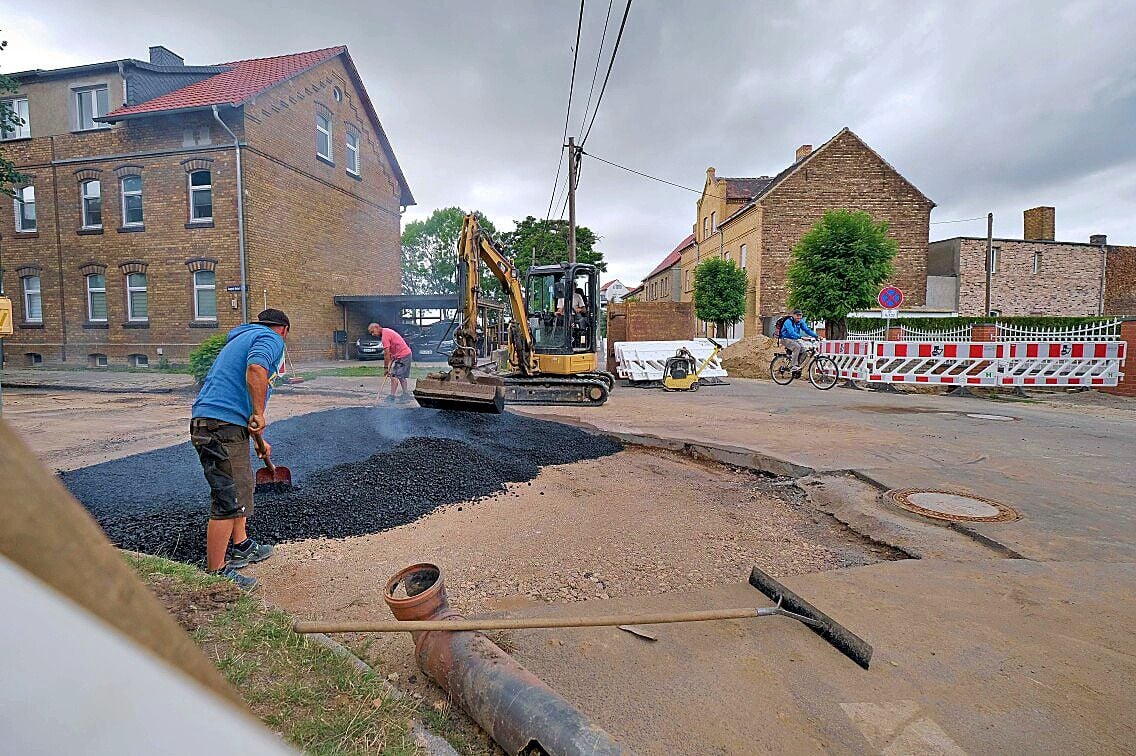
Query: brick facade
point(647, 321)
point(312, 231)
point(1120, 283)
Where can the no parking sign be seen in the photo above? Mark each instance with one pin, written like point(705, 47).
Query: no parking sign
point(890, 298)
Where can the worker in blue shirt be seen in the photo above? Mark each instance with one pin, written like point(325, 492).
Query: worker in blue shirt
point(793, 330)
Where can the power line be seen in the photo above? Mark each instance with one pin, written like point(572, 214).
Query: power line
point(959, 220)
point(649, 176)
point(568, 113)
point(596, 71)
point(611, 63)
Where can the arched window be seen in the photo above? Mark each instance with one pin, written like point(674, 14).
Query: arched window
point(323, 134)
point(96, 298)
point(137, 298)
point(131, 201)
point(352, 151)
point(92, 199)
point(33, 299)
point(201, 196)
point(204, 295)
point(25, 209)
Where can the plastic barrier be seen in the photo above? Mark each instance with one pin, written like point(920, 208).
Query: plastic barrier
point(644, 360)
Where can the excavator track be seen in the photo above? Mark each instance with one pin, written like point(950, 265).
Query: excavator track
point(590, 392)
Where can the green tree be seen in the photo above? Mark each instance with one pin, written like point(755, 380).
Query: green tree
point(9, 121)
point(430, 251)
point(547, 241)
point(204, 355)
point(839, 266)
point(719, 293)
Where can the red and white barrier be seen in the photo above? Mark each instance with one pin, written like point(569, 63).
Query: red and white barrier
point(980, 363)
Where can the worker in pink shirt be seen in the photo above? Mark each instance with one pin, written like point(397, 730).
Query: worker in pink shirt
point(396, 357)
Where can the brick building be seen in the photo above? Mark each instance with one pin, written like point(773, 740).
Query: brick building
point(127, 241)
point(662, 283)
point(757, 221)
point(1034, 275)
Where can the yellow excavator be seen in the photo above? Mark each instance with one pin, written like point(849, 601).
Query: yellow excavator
point(551, 352)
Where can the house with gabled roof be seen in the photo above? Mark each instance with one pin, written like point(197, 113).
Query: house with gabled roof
point(165, 202)
point(757, 221)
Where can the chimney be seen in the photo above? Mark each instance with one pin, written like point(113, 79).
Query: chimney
point(160, 56)
point(1101, 239)
point(803, 152)
point(1038, 224)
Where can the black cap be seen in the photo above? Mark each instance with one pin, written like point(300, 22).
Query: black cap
point(795, 312)
point(272, 317)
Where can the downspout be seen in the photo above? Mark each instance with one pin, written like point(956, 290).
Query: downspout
point(1104, 278)
point(58, 255)
point(240, 216)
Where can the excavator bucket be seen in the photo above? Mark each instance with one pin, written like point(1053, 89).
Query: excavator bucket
point(450, 391)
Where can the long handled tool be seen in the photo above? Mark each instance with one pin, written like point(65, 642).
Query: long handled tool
point(270, 477)
point(788, 604)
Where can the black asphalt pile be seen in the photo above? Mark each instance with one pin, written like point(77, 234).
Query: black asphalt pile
point(357, 470)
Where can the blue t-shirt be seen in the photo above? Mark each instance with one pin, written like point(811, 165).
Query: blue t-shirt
point(224, 396)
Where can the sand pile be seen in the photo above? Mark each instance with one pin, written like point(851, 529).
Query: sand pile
point(750, 357)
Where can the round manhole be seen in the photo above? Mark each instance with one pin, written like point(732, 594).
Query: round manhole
point(981, 416)
point(949, 505)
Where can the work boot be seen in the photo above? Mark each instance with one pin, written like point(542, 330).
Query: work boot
point(252, 552)
point(229, 573)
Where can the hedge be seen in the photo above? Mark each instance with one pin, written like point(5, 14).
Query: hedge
point(946, 324)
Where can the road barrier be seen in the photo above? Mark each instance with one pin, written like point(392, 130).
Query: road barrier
point(980, 363)
point(644, 360)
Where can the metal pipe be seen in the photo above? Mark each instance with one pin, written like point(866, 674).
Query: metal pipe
point(240, 217)
point(520, 713)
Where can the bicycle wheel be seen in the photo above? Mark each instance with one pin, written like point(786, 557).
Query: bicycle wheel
point(781, 370)
point(823, 372)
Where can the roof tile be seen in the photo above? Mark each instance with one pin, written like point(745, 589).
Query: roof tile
point(672, 258)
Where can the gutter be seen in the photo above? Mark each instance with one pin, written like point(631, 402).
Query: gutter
point(240, 216)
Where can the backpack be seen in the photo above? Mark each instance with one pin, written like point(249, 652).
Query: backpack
point(779, 325)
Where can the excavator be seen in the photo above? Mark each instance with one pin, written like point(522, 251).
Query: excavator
point(551, 351)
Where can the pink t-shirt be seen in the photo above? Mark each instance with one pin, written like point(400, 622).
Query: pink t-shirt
point(394, 344)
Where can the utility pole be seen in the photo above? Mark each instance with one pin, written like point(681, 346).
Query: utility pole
point(989, 258)
point(572, 199)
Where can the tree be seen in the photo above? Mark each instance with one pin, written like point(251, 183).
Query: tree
point(839, 266)
point(430, 251)
point(9, 121)
point(548, 240)
point(719, 293)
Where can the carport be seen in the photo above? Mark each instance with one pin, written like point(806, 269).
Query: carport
point(410, 311)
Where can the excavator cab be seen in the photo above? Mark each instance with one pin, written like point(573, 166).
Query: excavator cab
point(562, 308)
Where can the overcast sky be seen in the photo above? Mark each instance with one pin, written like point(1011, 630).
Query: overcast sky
point(985, 106)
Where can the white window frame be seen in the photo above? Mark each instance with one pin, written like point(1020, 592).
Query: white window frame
point(705, 227)
point(84, 198)
point(24, 130)
point(197, 289)
point(1036, 262)
point(743, 256)
point(124, 193)
point(92, 94)
point(91, 290)
point(144, 288)
point(327, 132)
point(714, 221)
point(994, 261)
point(20, 201)
point(28, 293)
point(196, 189)
point(354, 163)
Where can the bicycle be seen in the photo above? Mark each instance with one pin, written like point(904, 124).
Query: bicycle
point(822, 370)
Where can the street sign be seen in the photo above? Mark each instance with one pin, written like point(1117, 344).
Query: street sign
point(890, 298)
point(890, 313)
point(6, 325)
point(232, 288)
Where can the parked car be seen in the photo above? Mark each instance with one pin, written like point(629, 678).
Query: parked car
point(368, 347)
point(433, 342)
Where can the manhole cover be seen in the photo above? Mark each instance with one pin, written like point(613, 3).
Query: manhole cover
point(948, 505)
point(981, 416)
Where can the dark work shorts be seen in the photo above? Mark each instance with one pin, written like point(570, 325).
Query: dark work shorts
point(224, 452)
point(400, 368)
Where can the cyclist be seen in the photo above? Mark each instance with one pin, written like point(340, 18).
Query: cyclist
point(792, 331)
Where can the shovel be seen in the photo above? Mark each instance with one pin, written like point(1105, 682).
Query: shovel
point(270, 477)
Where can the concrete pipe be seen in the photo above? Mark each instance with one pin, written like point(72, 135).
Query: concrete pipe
point(520, 713)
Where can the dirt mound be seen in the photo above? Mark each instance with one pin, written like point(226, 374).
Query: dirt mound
point(750, 357)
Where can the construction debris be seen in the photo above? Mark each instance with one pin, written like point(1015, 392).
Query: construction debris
point(750, 357)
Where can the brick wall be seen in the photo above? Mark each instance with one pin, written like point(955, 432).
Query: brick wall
point(1067, 282)
point(843, 175)
point(1127, 386)
point(1120, 282)
point(648, 321)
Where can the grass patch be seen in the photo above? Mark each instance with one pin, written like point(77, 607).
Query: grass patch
point(315, 699)
point(371, 371)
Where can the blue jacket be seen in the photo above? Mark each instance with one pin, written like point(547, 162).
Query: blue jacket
point(224, 396)
point(793, 330)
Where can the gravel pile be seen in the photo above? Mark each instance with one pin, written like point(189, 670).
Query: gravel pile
point(419, 460)
point(750, 357)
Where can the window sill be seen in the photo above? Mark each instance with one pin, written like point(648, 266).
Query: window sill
point(203, 324)
point(16, 139)
point(324, 160)
point(31, 326)
point(96, 326)
point(90, 231)
point(130, 229)
point(199, 224)
point(27, 234)
point(136, 324)
point(89, 131)
point(353, 175)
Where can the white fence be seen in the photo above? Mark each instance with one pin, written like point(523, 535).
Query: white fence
point(907, 333)
point(978, 363)
point(644, 360)
point(1104, 331)
point(876, 334)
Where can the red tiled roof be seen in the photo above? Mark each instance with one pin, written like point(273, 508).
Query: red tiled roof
point(672, 258)
point(243, 80)
point(745, 188)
